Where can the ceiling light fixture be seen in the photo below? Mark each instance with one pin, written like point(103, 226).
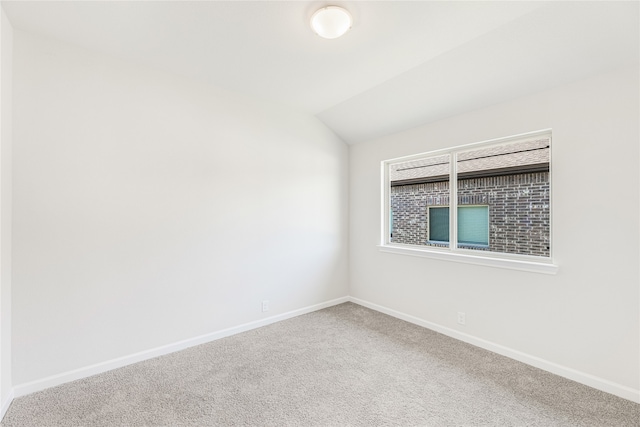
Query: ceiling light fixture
point(331, 22)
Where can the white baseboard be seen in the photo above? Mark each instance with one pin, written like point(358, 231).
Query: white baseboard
point(5, 404)
point(563, 371)
point(87, 371)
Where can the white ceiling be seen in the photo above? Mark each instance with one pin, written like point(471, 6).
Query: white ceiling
point(403, 63)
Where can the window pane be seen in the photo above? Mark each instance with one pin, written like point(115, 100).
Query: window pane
point(502, 193)
point(439, 224)
point(415, 187)
point(473, 225)
point(513, 181)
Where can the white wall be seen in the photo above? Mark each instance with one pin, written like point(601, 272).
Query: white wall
point(587, 317)
point(149, 209)
point(6, 55)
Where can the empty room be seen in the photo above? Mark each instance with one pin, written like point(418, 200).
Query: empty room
point(306, 213)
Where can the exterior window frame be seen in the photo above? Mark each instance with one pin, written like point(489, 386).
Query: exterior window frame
point(452, 252)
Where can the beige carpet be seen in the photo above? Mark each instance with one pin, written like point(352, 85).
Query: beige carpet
point(342, 366)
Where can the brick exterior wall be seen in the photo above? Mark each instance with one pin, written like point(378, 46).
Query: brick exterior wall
point(518, 211)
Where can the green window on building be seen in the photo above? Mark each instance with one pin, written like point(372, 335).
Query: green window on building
point(439, 224)
point(473, 225)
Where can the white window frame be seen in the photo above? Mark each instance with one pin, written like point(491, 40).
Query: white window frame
point(529, 263)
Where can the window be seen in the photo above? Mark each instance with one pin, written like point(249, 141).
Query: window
point(473, 225)
point(438, 224)
point(493, 199)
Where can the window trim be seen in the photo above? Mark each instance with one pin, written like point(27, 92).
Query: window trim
point(529, 263)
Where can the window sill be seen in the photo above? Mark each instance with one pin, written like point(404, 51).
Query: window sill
point(489, 261)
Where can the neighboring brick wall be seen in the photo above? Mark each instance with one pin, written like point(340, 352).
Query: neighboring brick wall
point(518, 210)
point(409, 204)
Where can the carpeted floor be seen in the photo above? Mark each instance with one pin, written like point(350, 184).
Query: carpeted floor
point(342, 366)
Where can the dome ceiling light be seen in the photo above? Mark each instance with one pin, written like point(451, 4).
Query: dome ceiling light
point(331, 22)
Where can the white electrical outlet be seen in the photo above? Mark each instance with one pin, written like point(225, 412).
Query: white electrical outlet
point(461, 318)
point(265, 306)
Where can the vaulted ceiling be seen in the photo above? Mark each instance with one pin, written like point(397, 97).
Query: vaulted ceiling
point(402, 64)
